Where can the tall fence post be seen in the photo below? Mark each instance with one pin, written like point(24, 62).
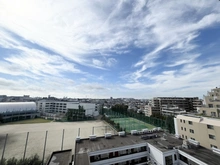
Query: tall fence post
point(45, 143)
point(3, 152)
point(92, 130)
point(62, 140)
point(26, 145)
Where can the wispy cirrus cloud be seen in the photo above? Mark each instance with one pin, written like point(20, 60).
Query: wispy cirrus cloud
point(157, 45)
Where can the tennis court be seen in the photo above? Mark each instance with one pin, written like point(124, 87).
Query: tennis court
point(130, 123)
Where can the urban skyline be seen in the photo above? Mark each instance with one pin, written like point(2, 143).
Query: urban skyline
point(99, 49)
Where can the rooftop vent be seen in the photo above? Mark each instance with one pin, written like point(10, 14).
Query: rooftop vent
point(108, 135)
point(78, 139)
point(216, 150)
point(134, 132)
point(196, 143)
point(92, 137)
point(145, 131)
point(122, 133)
point(159, 129)
point(154, 129)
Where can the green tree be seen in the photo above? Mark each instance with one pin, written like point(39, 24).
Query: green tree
point(170, 124)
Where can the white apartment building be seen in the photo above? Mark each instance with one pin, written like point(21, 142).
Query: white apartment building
point(211, 106)
point(61, 107)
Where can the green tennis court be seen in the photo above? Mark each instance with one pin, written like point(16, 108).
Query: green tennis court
point(130, 123)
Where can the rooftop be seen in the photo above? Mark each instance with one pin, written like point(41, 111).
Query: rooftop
point(203, 154)
point(86, 145)
point(60, 158)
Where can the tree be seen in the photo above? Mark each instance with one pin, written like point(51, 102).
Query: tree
point(170, 124)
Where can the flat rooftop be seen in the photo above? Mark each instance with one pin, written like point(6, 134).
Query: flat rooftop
point(60, 158)
point(203, 154)
point(86, 145)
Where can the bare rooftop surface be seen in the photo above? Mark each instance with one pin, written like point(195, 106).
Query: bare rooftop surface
point(204, 155)
point(61, 158)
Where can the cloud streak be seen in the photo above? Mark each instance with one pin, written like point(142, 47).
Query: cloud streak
point(153, 44)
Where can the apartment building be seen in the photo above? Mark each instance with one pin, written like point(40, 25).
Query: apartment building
point(186, 103)
point(203, 130)
point(172, 110)
point(211, 106)
point(61, 107)
point(157, 148)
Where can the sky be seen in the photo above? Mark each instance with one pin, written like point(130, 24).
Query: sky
point(109, 48)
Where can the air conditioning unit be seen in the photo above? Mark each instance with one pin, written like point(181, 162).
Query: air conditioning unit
point(92, 137)
point(134, 132)
point(196, 143)
point(145, 131)
point(159, 129)
point(177, 136)
point(154, 129)
point(108, 135)
point(122, 133)
point(78, 139)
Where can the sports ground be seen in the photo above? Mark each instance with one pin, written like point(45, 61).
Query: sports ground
point(17, 134)
point(130, 123)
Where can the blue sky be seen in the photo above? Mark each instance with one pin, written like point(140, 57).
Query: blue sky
point(100, 49)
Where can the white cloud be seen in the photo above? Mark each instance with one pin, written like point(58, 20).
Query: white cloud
point(95, 33)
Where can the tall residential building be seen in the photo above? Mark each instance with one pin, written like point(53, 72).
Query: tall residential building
point(186, 103)
point(211, 105)
point(205, 131)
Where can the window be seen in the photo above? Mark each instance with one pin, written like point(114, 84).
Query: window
point(210, 126)
point(192, 138)
point(181, 128)
point(174, 156)
point(184, 129)
point(211, 136)
point(210, 105)
point(213, 114)
point(191, 130)
point(181, 120)
point(190, 122)
point(185, 137)
point(213, 146)
point(182, 136)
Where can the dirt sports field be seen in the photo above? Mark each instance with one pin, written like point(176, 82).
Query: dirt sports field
point(17, 134)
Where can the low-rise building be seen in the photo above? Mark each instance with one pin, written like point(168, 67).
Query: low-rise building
point(12, 111)
point(156, 148)
point(61, 107)
point(205, 131)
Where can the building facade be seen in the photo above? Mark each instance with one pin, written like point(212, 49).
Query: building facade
point(205, 131)
point(211, 106)
point(188, 104)
point(61, 107)
point(172, 110)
